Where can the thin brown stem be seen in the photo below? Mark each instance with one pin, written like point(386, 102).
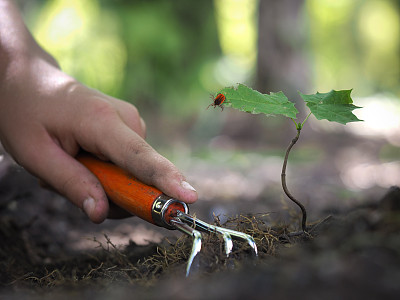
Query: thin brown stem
point(283, 179)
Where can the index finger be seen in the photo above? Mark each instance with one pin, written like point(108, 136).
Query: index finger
point(115, 140)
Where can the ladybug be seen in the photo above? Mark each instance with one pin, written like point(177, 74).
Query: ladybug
point(217, 101)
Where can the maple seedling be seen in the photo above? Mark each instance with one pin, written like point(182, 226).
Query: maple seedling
point(334, 106)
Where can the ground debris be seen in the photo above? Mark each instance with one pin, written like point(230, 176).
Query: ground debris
point(133, 264)
point(340, 254)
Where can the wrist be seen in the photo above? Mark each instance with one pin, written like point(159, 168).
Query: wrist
point(17, 46)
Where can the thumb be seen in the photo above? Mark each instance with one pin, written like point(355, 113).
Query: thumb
point(71, 179)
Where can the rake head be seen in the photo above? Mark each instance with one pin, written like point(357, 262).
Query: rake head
point(192, 226)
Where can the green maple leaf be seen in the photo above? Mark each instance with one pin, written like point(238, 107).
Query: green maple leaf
point(246, 99)
point(335, 106)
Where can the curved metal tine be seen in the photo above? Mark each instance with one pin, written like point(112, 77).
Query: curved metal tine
point(205, 227)
point(196, 241)
point(242, 236)
point(227, 234)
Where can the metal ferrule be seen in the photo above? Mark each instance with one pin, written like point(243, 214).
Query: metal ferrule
point(159, 208)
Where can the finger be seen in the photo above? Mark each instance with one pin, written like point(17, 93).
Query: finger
point(130, 116)
point(143, 123)
point(71, 179)
point(114, 212)
point(115, 140)
point(128, 150)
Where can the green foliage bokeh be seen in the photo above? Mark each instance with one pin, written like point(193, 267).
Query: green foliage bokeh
point(150, 53)
point(166, 57)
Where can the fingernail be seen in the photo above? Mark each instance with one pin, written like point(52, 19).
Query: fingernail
point(187, 186)
point(89, 206)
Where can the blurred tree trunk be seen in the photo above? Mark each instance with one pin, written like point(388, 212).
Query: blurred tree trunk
point(280, 65)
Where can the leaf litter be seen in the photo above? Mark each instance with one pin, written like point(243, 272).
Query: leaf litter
point(142, 265)
point(339, 252)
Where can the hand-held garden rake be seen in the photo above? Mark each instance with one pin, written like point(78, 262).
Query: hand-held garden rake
point(153, 206)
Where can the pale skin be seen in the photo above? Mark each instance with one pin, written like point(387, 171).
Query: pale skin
point(47, 117)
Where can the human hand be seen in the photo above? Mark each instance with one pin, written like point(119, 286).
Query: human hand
point(47, 117)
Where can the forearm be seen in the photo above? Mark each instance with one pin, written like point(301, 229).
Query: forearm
point(15, 39)
point(18, 48)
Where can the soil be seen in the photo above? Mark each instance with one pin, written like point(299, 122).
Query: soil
point(351, 254)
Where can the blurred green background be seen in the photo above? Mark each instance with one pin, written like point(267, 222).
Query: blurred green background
point(167, 57)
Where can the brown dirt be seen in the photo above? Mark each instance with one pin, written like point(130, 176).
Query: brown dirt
point(353, 254)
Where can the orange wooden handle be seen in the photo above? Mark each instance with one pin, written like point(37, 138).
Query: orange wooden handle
point(122, 188)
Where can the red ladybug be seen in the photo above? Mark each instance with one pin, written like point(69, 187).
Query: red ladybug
point(217, 101)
